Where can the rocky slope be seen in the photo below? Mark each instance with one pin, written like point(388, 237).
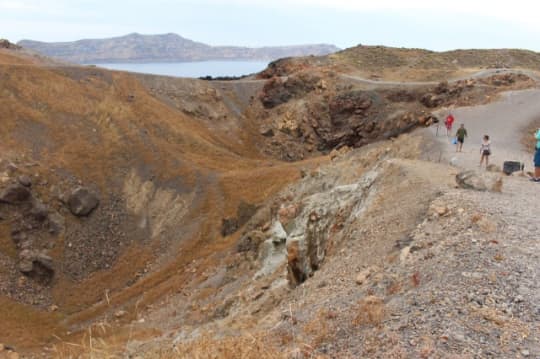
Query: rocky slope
point(157, 217)
point(163, 48)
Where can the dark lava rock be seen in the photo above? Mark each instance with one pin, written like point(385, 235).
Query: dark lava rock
point(228, 226)
point(244, 212)
point(82, 202)
point(277, 91)
point(250, 241)
point(348, 103)
point(14, 193)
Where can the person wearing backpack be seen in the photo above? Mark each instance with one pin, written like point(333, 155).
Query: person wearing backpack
point(485, 150)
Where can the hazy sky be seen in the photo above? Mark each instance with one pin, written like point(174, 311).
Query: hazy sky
point(432, 24)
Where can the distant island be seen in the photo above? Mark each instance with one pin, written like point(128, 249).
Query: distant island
point(137, 48)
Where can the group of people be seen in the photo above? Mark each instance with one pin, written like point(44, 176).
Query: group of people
point(459, 139)
point(485, 147)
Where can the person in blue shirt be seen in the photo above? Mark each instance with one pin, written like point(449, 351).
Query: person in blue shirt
point(536, 177)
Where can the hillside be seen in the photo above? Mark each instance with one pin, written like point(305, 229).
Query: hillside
point(307, 215)
point(162, 48)
point(380, 63)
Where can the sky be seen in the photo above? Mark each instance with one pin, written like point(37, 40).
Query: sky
point(431, 24)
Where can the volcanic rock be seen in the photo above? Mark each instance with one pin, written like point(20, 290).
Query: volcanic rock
point(14, 193)
point(82, 202)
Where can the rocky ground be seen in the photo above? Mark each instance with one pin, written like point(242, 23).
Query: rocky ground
point(417, 262)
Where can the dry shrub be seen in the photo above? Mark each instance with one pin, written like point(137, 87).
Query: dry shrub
point(426, 351)
point(512, 330)
point(475, 218)
point(393, 288)
point(415, 279)
point(487, 226)
point(371, 311)
point(320, 328)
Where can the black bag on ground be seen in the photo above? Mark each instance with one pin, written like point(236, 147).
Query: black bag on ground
point(510, 167)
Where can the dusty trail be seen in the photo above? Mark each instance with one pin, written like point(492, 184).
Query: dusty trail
point(477, 75)
point(504, 121)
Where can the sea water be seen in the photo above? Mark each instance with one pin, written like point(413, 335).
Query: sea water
point(192, 69)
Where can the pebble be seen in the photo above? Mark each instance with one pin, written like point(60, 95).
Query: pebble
point(120, 313)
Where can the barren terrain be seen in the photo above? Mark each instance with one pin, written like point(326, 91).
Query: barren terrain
point(310, 211)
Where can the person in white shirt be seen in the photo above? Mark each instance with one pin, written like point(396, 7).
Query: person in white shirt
point(485, 150)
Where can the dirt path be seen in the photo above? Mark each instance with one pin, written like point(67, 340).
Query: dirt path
point(477, 75)
point(513, 210)
point(503, 121)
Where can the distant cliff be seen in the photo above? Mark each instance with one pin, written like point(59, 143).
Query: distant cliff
point(163, 48)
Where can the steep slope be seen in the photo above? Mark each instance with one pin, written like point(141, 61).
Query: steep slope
point(163, 48)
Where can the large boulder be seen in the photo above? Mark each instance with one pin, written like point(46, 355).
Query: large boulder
point(479, 181)
point(471, 180)
point(14, 193)
point(81, 202)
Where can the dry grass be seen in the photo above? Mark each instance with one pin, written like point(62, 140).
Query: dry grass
point(371, 311)
point(91, 345)
point(240, 347)
point(97, 343)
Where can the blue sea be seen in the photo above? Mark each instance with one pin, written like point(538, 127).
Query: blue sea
point(192, 69)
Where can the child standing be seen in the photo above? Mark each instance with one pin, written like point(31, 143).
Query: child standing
point(485, 150)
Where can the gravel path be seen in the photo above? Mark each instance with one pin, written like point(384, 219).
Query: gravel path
point(513, 213)
point(503, 121)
